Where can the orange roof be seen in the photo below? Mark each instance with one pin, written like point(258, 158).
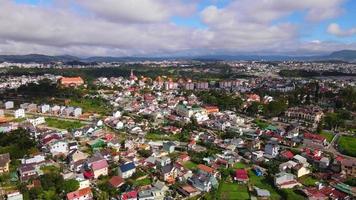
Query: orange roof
point(66, 80)
point(206, 168)
point(78, 193)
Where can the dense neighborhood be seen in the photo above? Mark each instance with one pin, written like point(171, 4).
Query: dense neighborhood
point(161, 137)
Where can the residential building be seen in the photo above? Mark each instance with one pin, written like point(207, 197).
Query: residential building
point(348, 166)
point(4, 163)
point(81, 194)
point(59, 148)
point(19, 113)
point(9, 105)
point(127, 170)
point(71, 81)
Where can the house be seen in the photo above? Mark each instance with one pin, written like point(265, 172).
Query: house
point(45, 108)
point(316, 140)
point(9, 105)
point(37, 121)
point(348, 166)
point(241, 176)
point(188, 191)
point(203, 181)
point(76, 155)
point(127, 170)
point(207, 169)
point(19, 113)
point(301, 160)
point(100, 168)
point(131, 195)
point(81, 194)
point(4, 163)
point(32, 107)
point(77, 112)
point(116, 181)
point(262, 193)
point(272, 149)
point(184, 157)
point(308, 114)
point(300, 170)
point(163, 161)
point(168, 173)
point(14, 196)
point(286, 154)
point(168, 147)
point(71, 81)
point(59, 148)
point(27, 172)
point(285, 180)
point(95, 144)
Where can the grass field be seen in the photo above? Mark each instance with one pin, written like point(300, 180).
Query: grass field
point(329, 136)
point(240, 165)
point(233, 191)
point(63, 124)
point(156, 136)
point(262, 183)
point(92, 105)
point(291, 194)
point(307, 180)
point(142, 182)
point(347, 145)
point(260, 124)
point(190, 165)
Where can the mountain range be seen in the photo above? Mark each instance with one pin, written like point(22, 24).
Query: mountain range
point(343, 55)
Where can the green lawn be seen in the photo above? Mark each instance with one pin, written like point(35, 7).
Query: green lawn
point(142, 182)
point(190, 165)
point(156, 136)
point(233, 191)
point(63, 124)
point(92, 105)
point(240, 165)
point(260, 124)
point(291, 194)
point(347, 145)
point(307, 180)
point(262, 183)
point(329, 136)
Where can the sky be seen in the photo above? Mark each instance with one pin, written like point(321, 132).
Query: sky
point(176, 27)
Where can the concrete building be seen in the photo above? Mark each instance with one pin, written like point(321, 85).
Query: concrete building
point(19, 113)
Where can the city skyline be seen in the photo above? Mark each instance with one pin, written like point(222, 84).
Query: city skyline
point(176, 27)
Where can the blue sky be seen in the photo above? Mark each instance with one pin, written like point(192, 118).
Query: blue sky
point(151, 27)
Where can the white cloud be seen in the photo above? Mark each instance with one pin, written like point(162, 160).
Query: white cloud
point(335, 29)
point(144, 27)
point(138, 11)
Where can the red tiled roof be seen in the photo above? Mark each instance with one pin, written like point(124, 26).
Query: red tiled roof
point(116, 181)
point(99, 164)
point(314, 136)
point(78, 193)
point(88, 174)
point(241, 174)
point(129, 195)
point(206, 168)
point(287, 154)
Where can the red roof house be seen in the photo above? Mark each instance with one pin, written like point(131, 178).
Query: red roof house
point(116, 181)
point(241, 175)
point(81, 194)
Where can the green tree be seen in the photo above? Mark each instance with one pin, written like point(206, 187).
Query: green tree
point(70, 185)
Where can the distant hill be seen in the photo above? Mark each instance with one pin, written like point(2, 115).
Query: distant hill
point(38, 58)
point(346, 55)
point(338, 56)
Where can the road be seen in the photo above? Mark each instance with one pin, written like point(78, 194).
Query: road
point(332, 149)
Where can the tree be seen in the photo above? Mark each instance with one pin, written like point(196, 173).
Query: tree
point(70, 185)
